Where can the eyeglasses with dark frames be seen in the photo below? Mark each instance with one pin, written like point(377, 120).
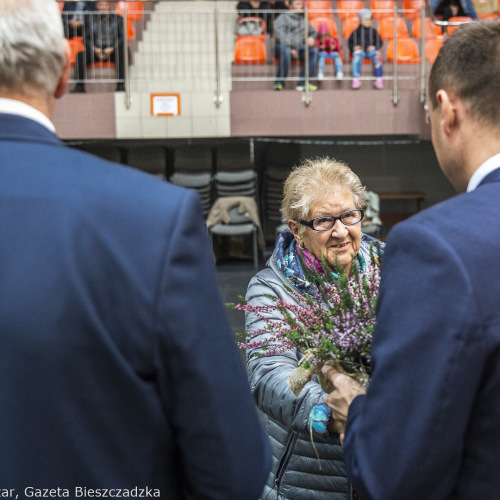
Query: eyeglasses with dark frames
point(326, 222)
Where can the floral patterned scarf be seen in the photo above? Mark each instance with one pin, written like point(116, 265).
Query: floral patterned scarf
point(286, 257)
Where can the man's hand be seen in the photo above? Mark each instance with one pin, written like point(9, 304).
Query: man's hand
point(74, 23)
point(311, 41)
point(370, 48)
point(345, 390)
point(295, 54)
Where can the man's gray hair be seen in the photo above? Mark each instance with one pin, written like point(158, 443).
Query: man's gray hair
point(31, 47)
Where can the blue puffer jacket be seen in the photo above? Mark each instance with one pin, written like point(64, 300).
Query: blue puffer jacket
point(301, 470)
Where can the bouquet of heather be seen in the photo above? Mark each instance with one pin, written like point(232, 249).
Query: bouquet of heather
point(333, 327)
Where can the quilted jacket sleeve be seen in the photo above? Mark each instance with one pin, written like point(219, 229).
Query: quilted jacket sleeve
point(268, 375)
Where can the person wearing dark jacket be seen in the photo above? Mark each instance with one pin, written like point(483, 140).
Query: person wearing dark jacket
point(103, 43)
point(365, 42)
point(255, 8)
point(75, 19)
point(290, 32)
point(119, 373)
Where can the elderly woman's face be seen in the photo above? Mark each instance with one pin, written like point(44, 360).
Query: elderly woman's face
point(341, 242)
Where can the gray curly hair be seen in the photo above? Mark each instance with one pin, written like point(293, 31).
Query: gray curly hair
point(315, 178)
point(31, 46)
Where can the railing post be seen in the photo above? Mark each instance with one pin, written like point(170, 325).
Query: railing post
point(128, 97)
point(422, 55)
point(307, 94)
point(218, 98)
point(395, 96)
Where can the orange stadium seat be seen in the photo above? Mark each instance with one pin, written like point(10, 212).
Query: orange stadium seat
point(76, 46)
point(431, 30)
point(348, 26)
point(329, 21)
point(382, 8)
point(413, 8)
point(319, 8)
point(61, 5)
point(407, 51)
point(249, 49)
point(349, 8)
point(432, 47)
point(135, 10)
point(102, 64)
point(488, 16)
point(456, 19)
point(386, 28)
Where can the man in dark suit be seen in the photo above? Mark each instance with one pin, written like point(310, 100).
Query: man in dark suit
point(428, 426)
point(76, 18)
point(119, 375)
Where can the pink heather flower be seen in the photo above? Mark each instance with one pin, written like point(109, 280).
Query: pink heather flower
point(322, 328)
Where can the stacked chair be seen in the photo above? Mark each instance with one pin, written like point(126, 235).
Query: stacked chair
point(234, 171)
point(279, 160)
point(235, 214)
point(150, 159)
point(192, 167)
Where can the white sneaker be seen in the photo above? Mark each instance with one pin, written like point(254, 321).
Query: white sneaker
point(340, 75)
point(321, 76)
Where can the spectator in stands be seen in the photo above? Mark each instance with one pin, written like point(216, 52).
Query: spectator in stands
point(444, 9)
point(119, 370)
point(289, 29)
point(104, 43)
point(364, 42)
point(75, 21)
point(308, 460)
point(328, 48)
point(254, 8)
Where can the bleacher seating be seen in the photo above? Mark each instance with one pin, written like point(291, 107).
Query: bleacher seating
point(319, 8)
point(75, 45)
point(349, 8)
point(348, 26)
point(412, 8)
point(431, 30)
point(407, 51)
point(432, 46)
point(249, 49)
point(382, 8)
point(457, 19)
point(386, 28)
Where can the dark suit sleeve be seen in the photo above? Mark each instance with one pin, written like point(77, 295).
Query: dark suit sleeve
point(223, 450)
point(404, 438)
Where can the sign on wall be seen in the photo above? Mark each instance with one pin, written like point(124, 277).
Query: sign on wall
point(165, 104)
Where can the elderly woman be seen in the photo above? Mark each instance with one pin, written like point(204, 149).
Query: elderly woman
point(323, 205)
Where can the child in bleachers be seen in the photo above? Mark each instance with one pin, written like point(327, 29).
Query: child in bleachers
point(364, 42)
point(328, 48)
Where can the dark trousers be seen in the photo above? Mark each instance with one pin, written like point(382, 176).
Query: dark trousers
point(83, 59)
point(284, 56)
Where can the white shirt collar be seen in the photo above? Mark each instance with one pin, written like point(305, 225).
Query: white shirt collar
point(15, 107)
point(486, 168)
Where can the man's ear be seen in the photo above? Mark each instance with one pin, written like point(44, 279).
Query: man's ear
point(448, 111)
point(63, 80)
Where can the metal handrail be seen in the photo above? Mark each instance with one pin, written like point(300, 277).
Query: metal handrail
point(128, 97)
